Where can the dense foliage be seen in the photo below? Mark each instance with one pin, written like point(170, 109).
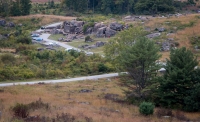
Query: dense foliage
point(146, 108)
point(50, 64)
point(15, 7)
point(137, 55)
point(126, 6)
point(178, 87)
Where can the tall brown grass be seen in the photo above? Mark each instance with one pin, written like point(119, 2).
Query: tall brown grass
point(66, 98)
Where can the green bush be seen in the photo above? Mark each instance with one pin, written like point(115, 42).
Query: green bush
point(86, 26)
point(192, 101)
point(146, 108)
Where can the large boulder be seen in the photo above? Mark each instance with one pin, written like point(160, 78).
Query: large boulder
point(2, 22)
point(89, 30)
point(101, 32)
point(128, 18)
point(110, 32)
point(116, 26)
point(97, 26)
point(73, 26)
point(153, 35)
point(161, 29)
point(79, 30)
point(76, 23)
point(56, 31)
point(70, 37)
point(100, 44)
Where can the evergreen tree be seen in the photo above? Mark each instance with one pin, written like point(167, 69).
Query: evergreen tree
point(135, 54)
point(25, 6)
point(15, 8)
point(178, 79)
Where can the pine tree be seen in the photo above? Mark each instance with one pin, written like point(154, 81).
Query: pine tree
point(25, 6)
point(130, 51)
point(178, 79)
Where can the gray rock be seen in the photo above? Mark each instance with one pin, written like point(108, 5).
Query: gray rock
point(78, 30)
point(90, 47)
point(73, 26)
point(109, 32)
point(170, 39)
point(89, 30)
point(60, 39)
point(101, 32)
point(97, 26)
point(83, 46)
point(153, 35)
point(100, 44)
point(56, 31)
point(116, 26)
point(162, 29)
point(11, 24)
point(84, 103)
point(128, 18)
point(2, 22)
point(70, 37)
point(85, 91)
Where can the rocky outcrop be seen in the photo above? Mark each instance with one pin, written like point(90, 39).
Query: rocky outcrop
point(89, 30)
point(153, 35)
point(101, 32)
point(128, 18)
point(109, 32)
point(97, 26)
point(73, 27)
point(116, 26)
point(105, 32)
point(70, 37)
point(56, 31)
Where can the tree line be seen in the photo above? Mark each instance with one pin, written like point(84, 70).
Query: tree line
point(126, 6)
point(15, 7)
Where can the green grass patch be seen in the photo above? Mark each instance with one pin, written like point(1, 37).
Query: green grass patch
point(56, 36)
point(78, 42)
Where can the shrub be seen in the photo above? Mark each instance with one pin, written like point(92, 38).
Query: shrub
point(86, 26)
point(24, 40)
point(20, 110)
point(87, 38)
point(146, 108)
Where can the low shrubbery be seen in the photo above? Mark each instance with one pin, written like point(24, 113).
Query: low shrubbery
point(146, 108)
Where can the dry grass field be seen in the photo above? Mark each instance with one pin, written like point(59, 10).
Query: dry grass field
point(181, 36)
point(46, 19)
point(67, 98)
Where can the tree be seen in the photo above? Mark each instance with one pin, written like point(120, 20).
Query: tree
point(137, 56)
point(15, 8)
point(178, 80)
point(25, 6)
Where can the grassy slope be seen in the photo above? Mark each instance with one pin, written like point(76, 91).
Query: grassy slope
point(66, 97)
point(181, 36)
